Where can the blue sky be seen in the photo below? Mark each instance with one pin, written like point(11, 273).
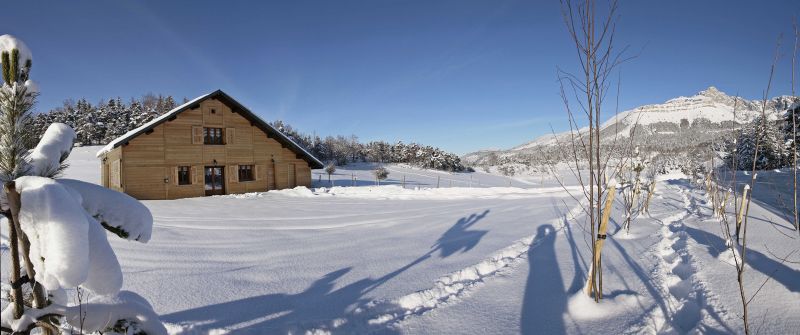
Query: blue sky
point(462, 75)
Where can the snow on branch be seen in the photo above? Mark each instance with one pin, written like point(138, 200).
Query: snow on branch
point(117, 212)
point(124, 313)
point(58, 231)
point(52, 150)
point(68, 246)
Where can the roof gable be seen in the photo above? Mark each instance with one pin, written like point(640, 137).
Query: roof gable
point(236, 107)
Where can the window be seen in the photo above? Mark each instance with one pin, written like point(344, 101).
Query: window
point(212, 136)
point(246, 173)
point(184, 175)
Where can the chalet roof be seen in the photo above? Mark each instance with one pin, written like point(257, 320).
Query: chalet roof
point(236, 107)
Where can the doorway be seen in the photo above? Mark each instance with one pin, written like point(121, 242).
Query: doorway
point(215, 180)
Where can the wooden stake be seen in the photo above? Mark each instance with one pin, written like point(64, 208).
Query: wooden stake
point(724, 202)
point(650, 192)
point(739, 217)
point(601, 238)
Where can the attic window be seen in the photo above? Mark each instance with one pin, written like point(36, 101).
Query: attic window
point(212, 136)
point(213, 111)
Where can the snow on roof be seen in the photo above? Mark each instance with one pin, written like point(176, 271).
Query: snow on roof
point(135, 132)
point(119, 140)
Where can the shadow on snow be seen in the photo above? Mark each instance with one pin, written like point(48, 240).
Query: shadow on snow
point(320, 305)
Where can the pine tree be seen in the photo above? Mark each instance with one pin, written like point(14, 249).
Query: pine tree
point(17, 98)
point(791, 121)
point(771, 153)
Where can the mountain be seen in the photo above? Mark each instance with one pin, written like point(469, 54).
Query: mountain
point(683, 121)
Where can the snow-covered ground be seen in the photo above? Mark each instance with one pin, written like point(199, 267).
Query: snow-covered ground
point(481, 257)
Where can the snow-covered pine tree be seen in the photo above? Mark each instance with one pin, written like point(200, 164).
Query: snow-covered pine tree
point(771, 153)
point(791, 121)
point(119, 121)
point(16, 103)
point(56, 226)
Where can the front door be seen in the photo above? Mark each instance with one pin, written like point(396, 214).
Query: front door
point(215, 180)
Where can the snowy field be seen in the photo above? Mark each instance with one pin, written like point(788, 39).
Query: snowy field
point(489, 255)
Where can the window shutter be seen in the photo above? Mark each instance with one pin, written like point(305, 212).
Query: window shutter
point(115, 178)
point(175, 175)
point(233, 174)
point(197, 135)
point(230, 135)
point(193, 177)
point(257, 172)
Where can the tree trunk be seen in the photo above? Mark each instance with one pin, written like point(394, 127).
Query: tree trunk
point(17, 235)
point(14, 205)
point(16, 288)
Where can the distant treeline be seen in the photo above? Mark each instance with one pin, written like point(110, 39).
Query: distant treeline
point(97, 124)
point(104, 121)
point(341, 150)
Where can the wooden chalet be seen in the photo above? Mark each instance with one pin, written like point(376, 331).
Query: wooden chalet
point(211, 145)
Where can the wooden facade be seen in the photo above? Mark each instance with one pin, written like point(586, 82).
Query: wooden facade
point(212, 145)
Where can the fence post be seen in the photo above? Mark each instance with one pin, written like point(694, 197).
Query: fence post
point(437, 181)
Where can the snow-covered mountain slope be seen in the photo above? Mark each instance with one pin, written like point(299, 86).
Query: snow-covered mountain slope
point(710, 106)
point(679, 125)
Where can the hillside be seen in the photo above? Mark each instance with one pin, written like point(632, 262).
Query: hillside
point(678, 123)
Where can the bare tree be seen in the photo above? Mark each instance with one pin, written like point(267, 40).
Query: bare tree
point(793, 115)
point(738, 245)
point(330, 169)
point(380, 174)
point(593, 37)
point(631, 184)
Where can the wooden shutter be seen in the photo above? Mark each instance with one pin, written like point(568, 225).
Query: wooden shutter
point(233, 173)
point(257, 171)
point(197, 135)
point(230, 135)
point(114, 178)
point(194, 177)
point(175, 175)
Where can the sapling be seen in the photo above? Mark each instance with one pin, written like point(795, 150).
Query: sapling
point(330, 169)
point(793, 146)
point(592, 35)
point(380, 174)
point(738, 246)
point(631, 187)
